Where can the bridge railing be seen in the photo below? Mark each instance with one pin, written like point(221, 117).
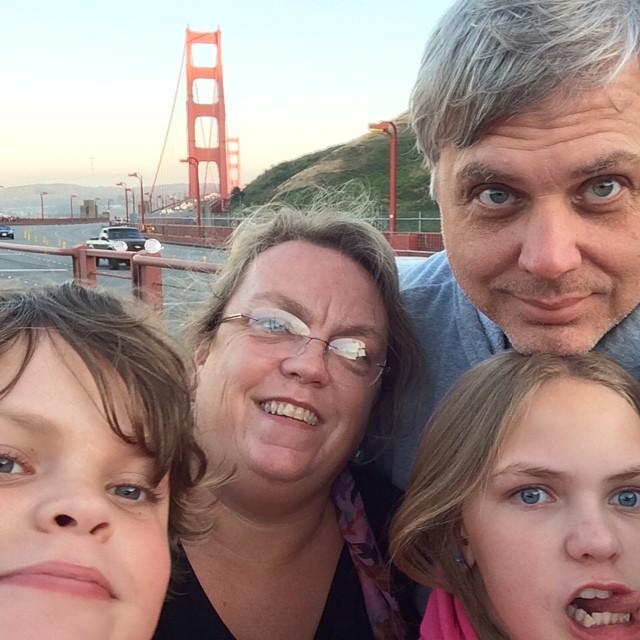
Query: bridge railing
point(146, 268)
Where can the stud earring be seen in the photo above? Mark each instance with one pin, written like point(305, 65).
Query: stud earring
point(460, 561)
point(358, 456)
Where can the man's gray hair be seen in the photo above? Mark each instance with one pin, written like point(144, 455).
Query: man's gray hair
point(488, 59)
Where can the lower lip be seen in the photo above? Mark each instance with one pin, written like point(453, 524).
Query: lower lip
point(564, 313)
point(47, 582)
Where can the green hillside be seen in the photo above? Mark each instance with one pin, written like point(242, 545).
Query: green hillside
point(360, 166)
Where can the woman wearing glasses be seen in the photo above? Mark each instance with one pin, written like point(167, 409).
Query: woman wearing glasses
point(302, 341)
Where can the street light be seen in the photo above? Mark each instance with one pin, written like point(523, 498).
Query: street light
point(135, 174)
point(133, 198)
point(391, 130)
point(126, 199)
point(71, 197)
point(194, 163)
point(42, 195)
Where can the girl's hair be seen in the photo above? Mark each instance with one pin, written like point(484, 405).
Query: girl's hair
point(459, 451)
point(113, 338)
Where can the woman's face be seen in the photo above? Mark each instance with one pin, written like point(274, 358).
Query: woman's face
point(83, 536)
point(556, 536)
point(277, 409)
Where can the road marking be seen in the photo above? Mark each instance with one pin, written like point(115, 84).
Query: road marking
point(29, 270)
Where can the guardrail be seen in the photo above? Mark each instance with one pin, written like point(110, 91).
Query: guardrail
point(146, 268)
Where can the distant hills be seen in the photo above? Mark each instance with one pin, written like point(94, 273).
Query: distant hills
point(25, 200)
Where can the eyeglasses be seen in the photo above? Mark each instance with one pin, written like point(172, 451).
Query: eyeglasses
point(287, 335)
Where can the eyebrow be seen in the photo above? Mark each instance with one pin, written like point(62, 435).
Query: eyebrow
point(37, 424)
point(605, 163)
point(481, 172)
point(41, 426)
point(520, 469)
point(304, 313)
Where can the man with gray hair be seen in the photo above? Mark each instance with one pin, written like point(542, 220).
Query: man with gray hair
point(528, 115)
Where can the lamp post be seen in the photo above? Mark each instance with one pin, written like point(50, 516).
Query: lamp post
point(42, 195)
point(194, 162)
point(391, 130)
point(71, 197)
point(133, 198)
point(135, 174)
point(126, 199)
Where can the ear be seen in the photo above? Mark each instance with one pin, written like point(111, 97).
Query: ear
point(466, 549)
point(202, 353)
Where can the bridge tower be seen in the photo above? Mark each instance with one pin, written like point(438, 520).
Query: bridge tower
point(235, 175)
point(214, 151)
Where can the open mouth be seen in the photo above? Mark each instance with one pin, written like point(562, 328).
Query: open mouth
point(599, 608)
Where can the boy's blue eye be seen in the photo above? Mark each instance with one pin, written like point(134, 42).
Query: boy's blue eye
point(8, 465)
point(128, 492)
point(533, 495)
point(628, 498)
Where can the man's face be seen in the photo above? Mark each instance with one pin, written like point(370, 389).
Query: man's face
point(541, 218)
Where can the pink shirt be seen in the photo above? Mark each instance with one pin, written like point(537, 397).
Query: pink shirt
point(445, 619)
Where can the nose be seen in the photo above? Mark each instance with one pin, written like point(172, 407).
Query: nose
point(551, 240)
point(592, 537)
point(74, 508)
point(307, 362)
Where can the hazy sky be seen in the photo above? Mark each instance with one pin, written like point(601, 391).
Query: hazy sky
point(87, 85)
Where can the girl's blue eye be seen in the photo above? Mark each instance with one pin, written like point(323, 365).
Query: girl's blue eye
point(8, 465)
point(128, 492)
point(533, 495)
point(629, 498)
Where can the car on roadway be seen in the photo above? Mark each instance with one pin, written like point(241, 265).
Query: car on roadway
point(7, 232)
point(117, 238)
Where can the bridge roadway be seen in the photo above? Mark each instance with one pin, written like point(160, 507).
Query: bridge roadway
point(182, 291)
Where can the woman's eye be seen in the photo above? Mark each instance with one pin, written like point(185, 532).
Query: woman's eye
point(271, 325)
point(495, 196)
point(628, 498)
point(128, 492)
point(9, 465)
point(603, 189)
point(532, 495)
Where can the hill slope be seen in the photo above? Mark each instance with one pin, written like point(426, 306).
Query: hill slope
point(357, 166)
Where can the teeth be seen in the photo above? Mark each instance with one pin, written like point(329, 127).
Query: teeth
point(596, 619)
point(590, 594)
point(289, 410)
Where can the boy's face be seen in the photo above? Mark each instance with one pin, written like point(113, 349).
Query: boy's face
point(83, 536)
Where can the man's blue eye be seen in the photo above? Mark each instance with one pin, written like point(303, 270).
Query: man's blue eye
point(605, 187)
point(494, 196)
point(628, 498)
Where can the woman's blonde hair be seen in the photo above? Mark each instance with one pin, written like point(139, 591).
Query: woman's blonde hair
point(460, 448)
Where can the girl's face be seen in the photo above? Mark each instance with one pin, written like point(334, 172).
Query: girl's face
point(556, 535)
point(83, 533)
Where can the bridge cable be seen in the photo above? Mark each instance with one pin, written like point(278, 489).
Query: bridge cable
point(166, 136)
